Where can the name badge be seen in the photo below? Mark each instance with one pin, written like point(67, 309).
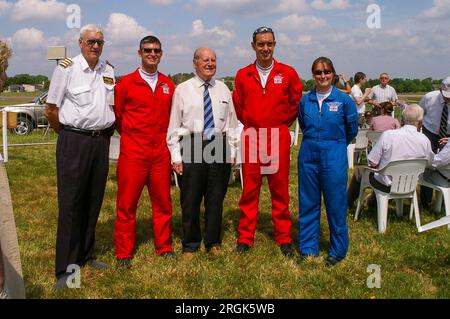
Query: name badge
point(334, 106)
point(108, 80)
point(166, 89)
point(278, 79)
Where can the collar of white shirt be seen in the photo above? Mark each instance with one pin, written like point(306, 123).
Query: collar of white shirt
point(85, 65)
point(200, 82)
point(408, 127)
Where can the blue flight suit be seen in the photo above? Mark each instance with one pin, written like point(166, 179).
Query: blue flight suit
point(322, 168)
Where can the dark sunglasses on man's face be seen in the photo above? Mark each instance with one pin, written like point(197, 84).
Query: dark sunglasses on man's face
point(319, 72)
point(149, 50)
point(91, 42)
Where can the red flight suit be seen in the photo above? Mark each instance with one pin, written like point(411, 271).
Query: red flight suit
point(142, 119)
point(272, 107)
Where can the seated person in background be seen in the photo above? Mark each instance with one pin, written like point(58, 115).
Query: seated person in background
point(435, 174)
point(367, 120)
point(385, 121)
point(393, 145)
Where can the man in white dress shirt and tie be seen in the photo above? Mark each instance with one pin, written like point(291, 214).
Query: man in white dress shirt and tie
point(202, 139)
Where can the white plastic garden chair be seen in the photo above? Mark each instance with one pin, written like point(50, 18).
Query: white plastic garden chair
point(405, 174)
point(443, 193)
point(359, 146)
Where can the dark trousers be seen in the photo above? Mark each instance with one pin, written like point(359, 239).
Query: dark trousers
point(203, 181)
point(82, 164)
point(426, 193)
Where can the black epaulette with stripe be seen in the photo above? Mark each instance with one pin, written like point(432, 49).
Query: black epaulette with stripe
point(107, 62)
point(66, 63)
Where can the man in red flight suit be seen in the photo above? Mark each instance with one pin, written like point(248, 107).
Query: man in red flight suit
point(266, 98)
point(142, 108)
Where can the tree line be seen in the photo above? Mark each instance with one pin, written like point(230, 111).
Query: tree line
point(19, 79)
point(401, 85)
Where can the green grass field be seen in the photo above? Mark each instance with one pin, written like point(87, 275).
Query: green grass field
point(8, 98)
point(412, 265)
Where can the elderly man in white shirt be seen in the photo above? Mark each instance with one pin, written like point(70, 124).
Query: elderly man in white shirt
point(79, 109)
point(394, 145)
point(202, 139)
point(382, 92)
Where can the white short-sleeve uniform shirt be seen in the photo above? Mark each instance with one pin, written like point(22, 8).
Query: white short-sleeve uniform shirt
point(85, 97)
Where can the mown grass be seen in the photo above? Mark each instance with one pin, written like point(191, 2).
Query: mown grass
point(412, 265)
point(9, 98)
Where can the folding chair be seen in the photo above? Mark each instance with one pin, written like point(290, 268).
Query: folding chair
point(405, 174)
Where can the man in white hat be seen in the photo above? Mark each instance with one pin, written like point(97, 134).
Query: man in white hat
point(436, 124)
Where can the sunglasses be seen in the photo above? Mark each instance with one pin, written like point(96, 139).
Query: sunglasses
point(149, 50)
point(262, 30)
point(91, 42)
point(319, 72)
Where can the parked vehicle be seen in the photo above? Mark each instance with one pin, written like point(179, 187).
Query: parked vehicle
point(29, 115)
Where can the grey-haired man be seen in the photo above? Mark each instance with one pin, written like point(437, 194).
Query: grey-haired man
point(79, 108)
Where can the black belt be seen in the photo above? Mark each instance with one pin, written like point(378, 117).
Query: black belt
point(93, 133)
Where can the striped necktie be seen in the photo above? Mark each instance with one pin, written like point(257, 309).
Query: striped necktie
point(443, 126)
point(208, 130)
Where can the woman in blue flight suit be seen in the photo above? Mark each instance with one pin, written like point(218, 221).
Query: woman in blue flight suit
point(329, 121)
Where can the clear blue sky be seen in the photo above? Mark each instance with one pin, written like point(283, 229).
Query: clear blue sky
point(412, 42)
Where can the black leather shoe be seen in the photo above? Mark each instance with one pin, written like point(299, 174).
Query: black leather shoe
point(168, 254)
point(331, 261)
point(96, 264)
point(242, 248)
point(124, 263)
point(287, 251)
